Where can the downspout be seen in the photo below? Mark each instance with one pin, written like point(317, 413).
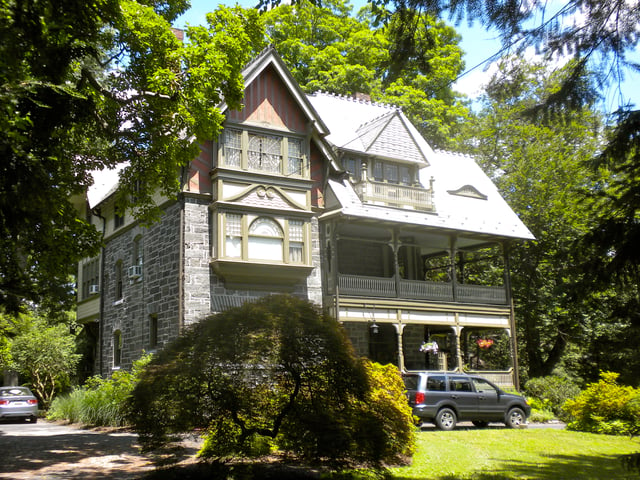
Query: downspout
point(181, 235)
point(97, 213)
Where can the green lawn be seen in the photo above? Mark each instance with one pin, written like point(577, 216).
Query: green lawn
point(499, 453)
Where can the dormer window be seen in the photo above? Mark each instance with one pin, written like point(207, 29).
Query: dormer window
point(354, 167)
point(391, 173)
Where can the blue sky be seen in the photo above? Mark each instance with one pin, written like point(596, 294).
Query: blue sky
point(477, 44)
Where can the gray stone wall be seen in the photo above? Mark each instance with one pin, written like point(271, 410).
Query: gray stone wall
point(359, 335)
point(197, 271)
point(156, 291)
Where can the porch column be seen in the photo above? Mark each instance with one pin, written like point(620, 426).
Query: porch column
point(458, 330)
point(512, 317)
point(399, 330)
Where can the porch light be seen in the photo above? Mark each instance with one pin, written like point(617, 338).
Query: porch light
point(374, 328)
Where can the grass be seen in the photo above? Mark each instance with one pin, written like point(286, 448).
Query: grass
point(483, 454)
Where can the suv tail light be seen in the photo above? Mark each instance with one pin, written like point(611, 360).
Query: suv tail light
point(419, 398)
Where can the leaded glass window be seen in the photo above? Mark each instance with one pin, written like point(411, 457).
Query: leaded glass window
point(265, 153)
point(295, 157)
point(232, 145)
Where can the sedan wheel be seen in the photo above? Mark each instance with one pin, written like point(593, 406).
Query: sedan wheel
point(446, 419)
point(515, 418)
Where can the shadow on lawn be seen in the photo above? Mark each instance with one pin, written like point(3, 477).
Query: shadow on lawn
point(592, 467)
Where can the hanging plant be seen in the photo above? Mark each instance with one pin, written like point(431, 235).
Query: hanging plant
point(485, 343)
point(429, 347)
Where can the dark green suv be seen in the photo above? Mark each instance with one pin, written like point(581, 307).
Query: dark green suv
point(446, 398)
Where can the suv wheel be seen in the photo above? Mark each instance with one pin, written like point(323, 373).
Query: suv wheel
point(515, 418)
point(446, 419)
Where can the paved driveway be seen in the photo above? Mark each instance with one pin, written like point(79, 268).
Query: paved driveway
point(51, 451)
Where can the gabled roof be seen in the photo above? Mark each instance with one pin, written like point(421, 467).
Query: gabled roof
point(269, 57)
point(371, 128)
point(106, 181)
point(483, 214)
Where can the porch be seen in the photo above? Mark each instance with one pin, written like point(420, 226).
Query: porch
point(393, 287)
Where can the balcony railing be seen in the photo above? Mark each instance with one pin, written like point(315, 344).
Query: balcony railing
point(359, 285)
point(395, 195)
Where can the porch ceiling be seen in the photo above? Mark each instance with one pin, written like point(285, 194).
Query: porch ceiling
point(430, 239)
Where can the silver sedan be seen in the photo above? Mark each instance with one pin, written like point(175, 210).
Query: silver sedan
point(18, 403)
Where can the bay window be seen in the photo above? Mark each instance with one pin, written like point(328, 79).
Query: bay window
point(251, 237)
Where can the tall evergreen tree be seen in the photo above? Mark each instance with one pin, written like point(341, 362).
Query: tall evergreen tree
point(541, 169)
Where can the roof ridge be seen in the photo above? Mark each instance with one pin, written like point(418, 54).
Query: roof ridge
point(257, 57)
point(376, 119)
point(356, 100)
point(458, 154)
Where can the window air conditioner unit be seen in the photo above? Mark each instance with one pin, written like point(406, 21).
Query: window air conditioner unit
point(135, 271)
point(94, 289)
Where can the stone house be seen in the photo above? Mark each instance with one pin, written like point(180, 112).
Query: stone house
point(337, 200)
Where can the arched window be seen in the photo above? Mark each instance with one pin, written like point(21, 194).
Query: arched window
point(266, 240)
point(117, 348)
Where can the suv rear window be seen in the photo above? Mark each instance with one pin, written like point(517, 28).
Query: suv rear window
point(436, 383)
point(411, 382)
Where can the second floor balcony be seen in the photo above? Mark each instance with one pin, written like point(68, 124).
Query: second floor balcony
point(380, 287)
point(395, 195)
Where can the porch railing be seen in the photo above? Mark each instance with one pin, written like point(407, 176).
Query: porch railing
point(360, 285)
point(395, 195)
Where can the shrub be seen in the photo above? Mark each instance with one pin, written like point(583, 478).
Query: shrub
point(101, 402)
point(276, 371)
point(553, 391)
point(605, 407)
point(386, 405)
point(540, 410)
point(67, 407)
